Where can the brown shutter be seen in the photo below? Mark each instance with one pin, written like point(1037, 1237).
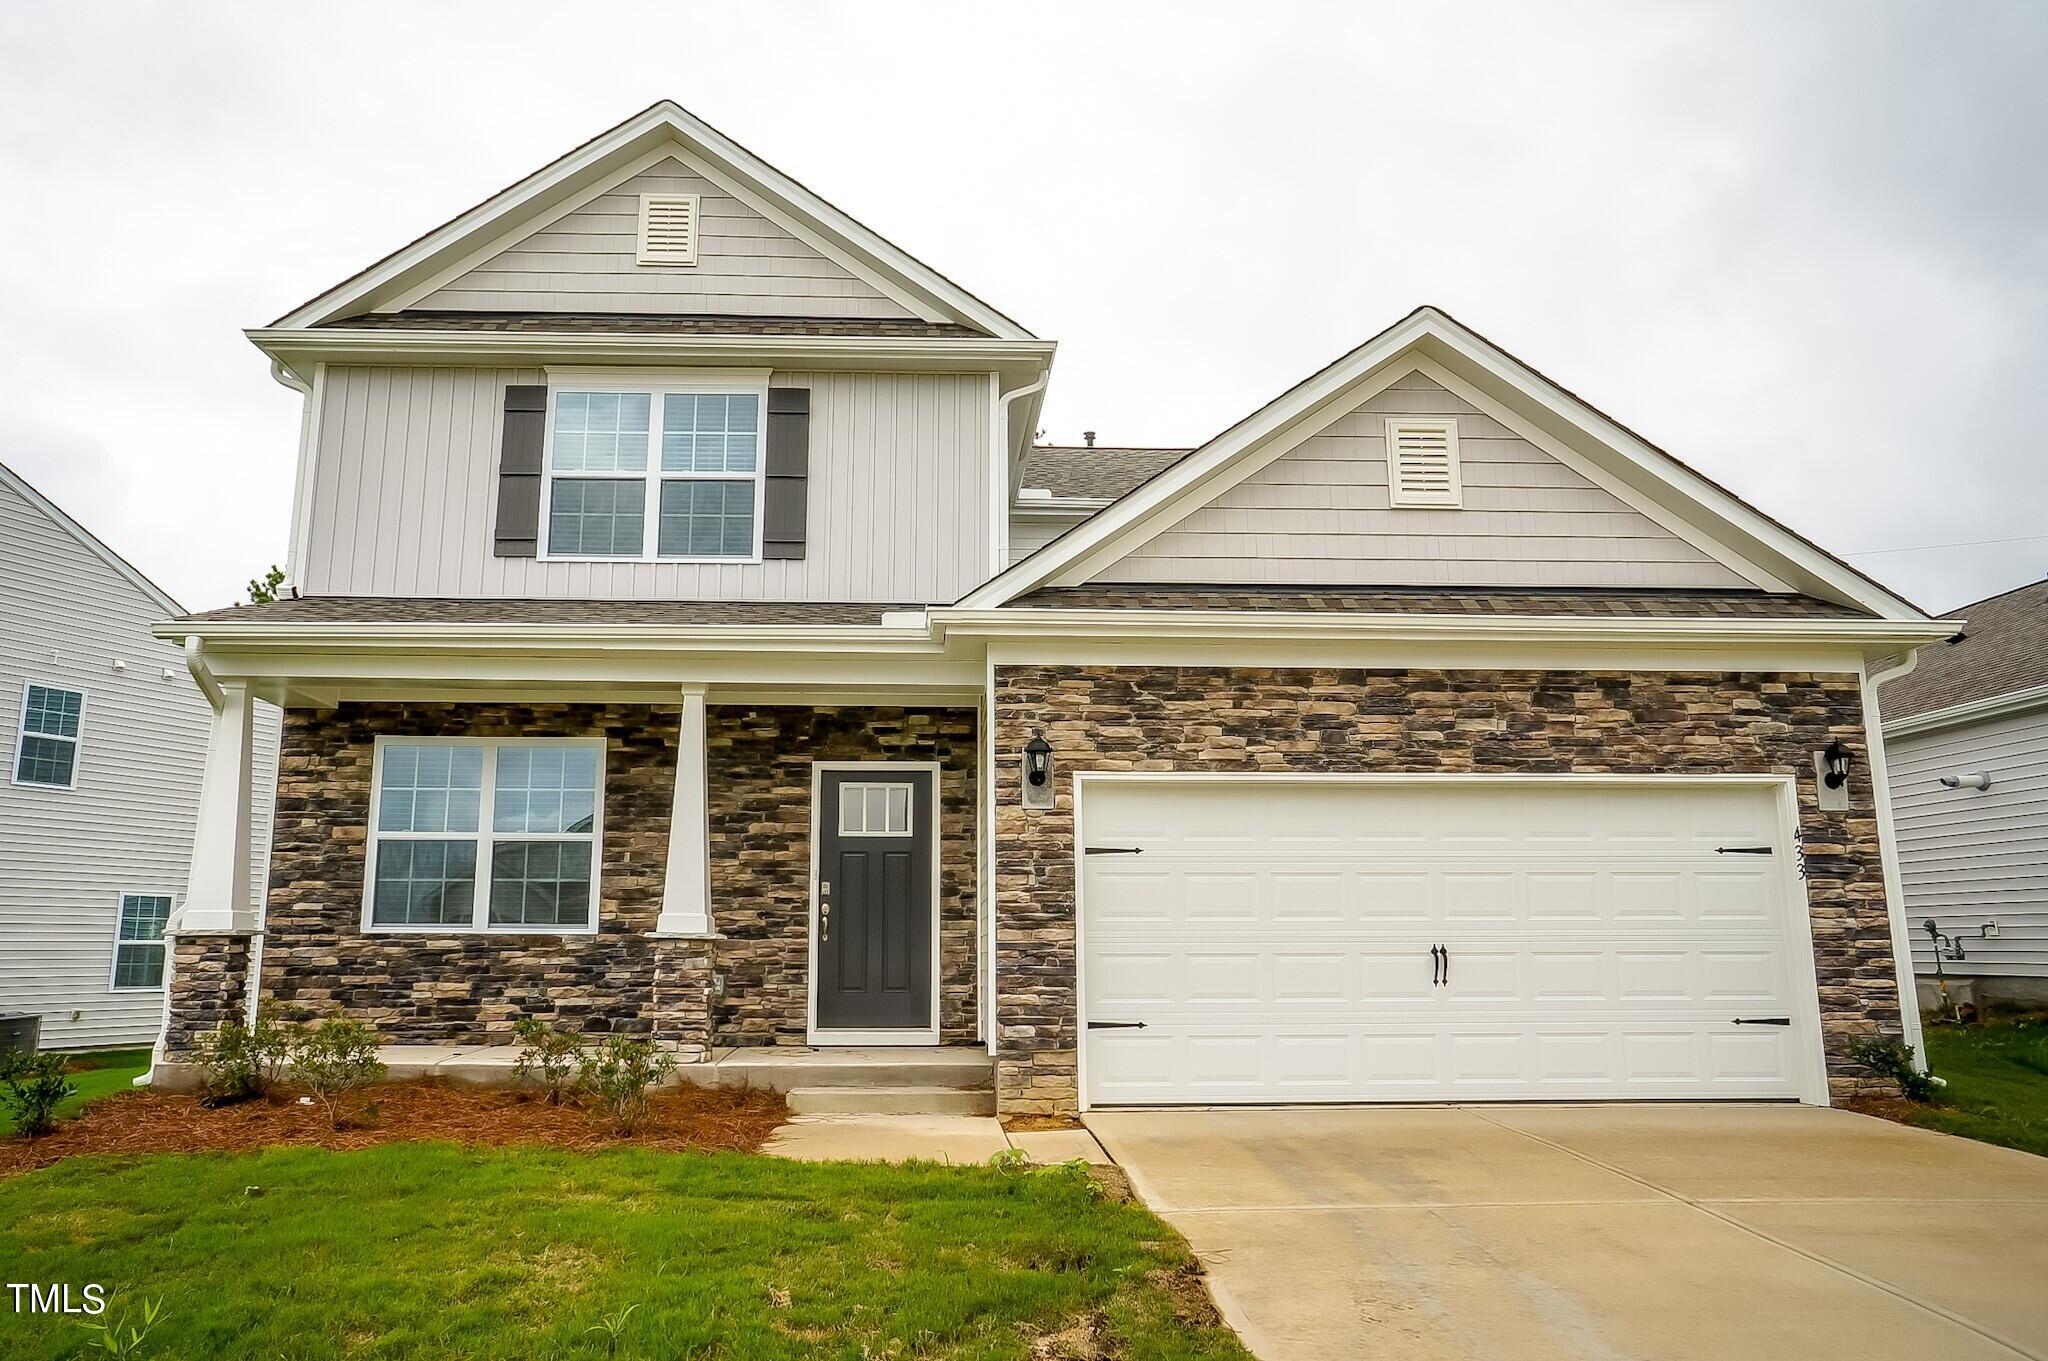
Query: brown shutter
point(783, 514)
point(526, 414)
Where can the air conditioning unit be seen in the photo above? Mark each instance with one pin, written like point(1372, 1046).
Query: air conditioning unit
point(20, 1030)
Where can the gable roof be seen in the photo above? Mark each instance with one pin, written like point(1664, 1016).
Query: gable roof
point(2002, 650)
point(1075, 471)
point(1429, 340)
point(662, 129)
point(15, 483)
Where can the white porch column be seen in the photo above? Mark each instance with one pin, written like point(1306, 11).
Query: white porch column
point(217, 895)
point(686, 893)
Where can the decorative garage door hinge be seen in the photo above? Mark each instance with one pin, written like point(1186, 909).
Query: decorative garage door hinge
point(1743, 850)
point(1114, 850)
point(1116, 1025)
point(1763, 1020)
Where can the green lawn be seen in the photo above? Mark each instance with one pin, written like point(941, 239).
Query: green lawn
point(432, 1251)
point(112, 1070)
point(1997, 1083)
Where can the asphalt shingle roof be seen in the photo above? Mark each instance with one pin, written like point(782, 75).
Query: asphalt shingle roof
point(2003, 647)
point(1435, 600)
point(1072, 470)
point(653, 323)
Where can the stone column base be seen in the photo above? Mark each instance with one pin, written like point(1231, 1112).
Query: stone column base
point(1046, 1082)
point(209, 983)
point(683, 971)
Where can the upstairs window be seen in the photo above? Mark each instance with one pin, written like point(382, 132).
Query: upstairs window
point(654, 474)
point(52, 723)
point(139, 941)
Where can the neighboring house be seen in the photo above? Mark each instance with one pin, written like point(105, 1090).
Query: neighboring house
point(1966, 740)
point(104, 738)
point(666, 659)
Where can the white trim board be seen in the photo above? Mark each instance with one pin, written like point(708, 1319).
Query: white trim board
point(1645, 477)
point(663, 129)
point(915, 1035)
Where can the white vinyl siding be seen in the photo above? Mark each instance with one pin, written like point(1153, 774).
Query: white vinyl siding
point(67, 856)
point(1031, 532)
point(589, 261)
point(1969, 856)
point(405, 487)
point(1321, 514)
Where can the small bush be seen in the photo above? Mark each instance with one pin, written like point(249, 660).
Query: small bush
point(334, 1058)
point(238, 1061)
point(547, 1056)
point(31, 1085)
point(618, 1074)
point(1892, 1058)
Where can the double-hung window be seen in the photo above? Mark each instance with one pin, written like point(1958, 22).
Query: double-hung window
point(655, 471)
point(46, 747)
point(139, 941)
point(476, 835)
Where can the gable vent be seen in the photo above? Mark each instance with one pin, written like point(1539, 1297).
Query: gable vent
point(668, 229)
point(1422, 463)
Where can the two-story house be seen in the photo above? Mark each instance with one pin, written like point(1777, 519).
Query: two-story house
point(675, 651)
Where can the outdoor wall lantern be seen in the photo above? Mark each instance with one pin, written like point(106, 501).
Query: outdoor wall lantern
point(1037, 772)
point(1831, 765)
point(1837, 758)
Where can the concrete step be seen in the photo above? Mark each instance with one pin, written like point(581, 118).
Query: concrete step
point(891, 1101)
point(786, 1069)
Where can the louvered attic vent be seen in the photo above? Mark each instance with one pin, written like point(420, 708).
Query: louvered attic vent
point(668, 229)
point(1422, 463)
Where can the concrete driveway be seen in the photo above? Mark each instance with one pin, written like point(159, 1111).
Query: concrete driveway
point(1583, 1233)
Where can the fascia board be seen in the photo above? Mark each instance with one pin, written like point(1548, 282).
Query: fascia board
point(342, 345)
point(540, 638)
point(1976, 711)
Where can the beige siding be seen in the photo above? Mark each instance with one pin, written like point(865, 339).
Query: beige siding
point(405, 489)
point(585, 262)
point(1029, 533)
point(1970, 856)
point(66, 856)
point(1319, 514)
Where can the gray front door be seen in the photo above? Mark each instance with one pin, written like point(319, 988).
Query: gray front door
point(874, 929)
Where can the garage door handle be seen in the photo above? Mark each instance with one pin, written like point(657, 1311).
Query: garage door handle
point(1763, 1020)
point(1116, 1025)
point(1439, 965)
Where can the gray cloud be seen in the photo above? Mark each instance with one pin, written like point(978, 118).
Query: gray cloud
point(1801, 246)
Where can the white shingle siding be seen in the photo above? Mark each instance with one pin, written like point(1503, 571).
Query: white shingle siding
point(66, 856)
point(1320, 515)
point(406, 486)
point(1969, 856)
point(589, 261)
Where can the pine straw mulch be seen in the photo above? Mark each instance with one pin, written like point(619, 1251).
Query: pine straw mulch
point(687, 1118)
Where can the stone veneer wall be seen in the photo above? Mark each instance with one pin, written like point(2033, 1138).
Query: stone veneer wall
point(1507, 722)
point(465, 986)
point(759, 768)
point(468, 987)
point(209, 981)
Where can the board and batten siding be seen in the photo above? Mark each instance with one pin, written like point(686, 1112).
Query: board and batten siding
point(1970, 856)
point(1320, 515)
point(587, 261)
point(67, 855)
point(405, 488)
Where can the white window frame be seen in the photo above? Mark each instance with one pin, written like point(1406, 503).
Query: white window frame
point(658, 387)
point(486, 840)
point(22, 734)
point(161, 942)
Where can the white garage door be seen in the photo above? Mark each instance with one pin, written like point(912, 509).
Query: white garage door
point(1261, 940)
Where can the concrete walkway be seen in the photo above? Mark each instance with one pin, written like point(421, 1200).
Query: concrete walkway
point(967, 1139)
point(1590, 1233)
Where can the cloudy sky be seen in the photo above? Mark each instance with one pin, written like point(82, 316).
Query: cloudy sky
point(1804, 247)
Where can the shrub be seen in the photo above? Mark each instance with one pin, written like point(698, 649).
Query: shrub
point(1892, 1058)
point(547, 1056)
point(238, 1061)
point(334, 1058)
point(31, 1085)
point(617, 1075)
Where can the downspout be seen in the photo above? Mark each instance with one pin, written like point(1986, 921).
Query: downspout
point(302, 482)
point(1000, 540)
point(1888, 855)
